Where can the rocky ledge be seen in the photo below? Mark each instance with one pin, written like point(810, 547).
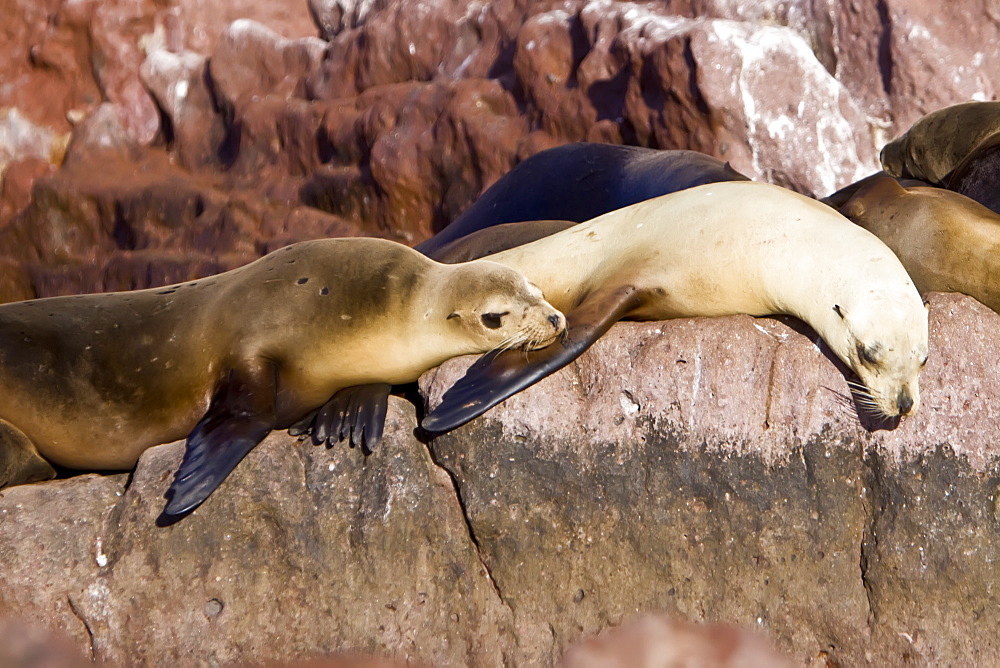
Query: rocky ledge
point(714, 469)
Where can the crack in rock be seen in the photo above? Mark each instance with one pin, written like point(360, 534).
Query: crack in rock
point(869, 537)
point(90, 632)
point(471, 530)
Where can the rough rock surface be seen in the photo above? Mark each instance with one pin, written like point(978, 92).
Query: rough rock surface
point(346, 117)
point(712, 469)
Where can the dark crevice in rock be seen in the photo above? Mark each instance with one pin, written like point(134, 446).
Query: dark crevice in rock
point(871, 468)
point(885, 64)
point(771, 376)
point(456, 487)
point(313, 484)
point(90, 633)
point(693, 87)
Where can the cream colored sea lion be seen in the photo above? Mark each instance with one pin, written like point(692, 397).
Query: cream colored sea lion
point(939, 141)
point(716, 249)
point(89, 382)
point(947, 242)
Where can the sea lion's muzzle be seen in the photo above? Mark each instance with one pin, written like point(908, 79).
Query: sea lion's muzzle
point(904, 402)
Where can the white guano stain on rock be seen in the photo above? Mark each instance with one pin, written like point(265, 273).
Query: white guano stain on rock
point(100, 557)
point(20, 139)
point(768, 58)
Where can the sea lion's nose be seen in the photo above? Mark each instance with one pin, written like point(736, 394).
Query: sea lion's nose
point(905, 403)
point(556, 321)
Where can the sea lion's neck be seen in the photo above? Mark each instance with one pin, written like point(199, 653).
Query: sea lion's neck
point(565, 266)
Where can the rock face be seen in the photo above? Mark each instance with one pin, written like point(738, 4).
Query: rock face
point(712, 469)
point(224, 132)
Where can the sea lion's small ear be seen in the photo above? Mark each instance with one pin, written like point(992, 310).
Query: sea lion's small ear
point(453, 315)
point(836, 307)
point(927, 305)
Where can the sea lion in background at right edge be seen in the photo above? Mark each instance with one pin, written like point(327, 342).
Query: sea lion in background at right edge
point(946, 241)
point(978, 176)
point(839, 198)
point(937, 143)
point(717, 249)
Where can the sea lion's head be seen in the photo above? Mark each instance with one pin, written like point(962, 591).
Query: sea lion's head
point(496, 307)
point(892, 157)
point(885, 342)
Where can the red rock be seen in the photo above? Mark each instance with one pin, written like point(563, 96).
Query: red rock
point(899, 59)
point(178, 83)
point(251, 61)
point(202, 24)
point(115, 30)
point(46, 66)
point(15, 188)
point(28, 646)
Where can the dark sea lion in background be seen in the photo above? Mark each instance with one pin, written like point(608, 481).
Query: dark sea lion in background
point(574, 183)
point(938, 142)
point(978, 175)
point(946, 241)
point(718, 249)
point(498, 238)
point(577, 182)
point(91, 381)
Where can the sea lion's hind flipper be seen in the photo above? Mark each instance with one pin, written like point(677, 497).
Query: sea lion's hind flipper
point(20, 462)
point(496, 376)
point(240, 416)
point(369, 406)
point(356, 414)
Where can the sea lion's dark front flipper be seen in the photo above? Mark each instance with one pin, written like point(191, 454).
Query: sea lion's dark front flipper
point(356, 414)
point(496, 376)
point(240, 416)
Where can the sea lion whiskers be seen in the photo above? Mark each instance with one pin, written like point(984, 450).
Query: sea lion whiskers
point(513, 341)
point(523, 339)
point(865, 399)
point(844, 401)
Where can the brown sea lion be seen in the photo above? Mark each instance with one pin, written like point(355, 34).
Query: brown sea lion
point(839, 198)
point(91, 381)
point(938, 142)
point(946, 241)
